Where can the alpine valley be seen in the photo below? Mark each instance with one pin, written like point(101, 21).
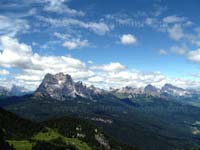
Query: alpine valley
point(64, 114)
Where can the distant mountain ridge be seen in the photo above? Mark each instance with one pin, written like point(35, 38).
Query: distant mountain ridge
point(167, 89)
point(13, 91)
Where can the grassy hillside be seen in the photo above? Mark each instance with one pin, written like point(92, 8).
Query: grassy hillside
point(49, 138)
point(17, 128)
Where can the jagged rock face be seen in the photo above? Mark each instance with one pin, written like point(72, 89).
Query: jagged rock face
point(173, 90)
point(60, 86)
point(151, 90)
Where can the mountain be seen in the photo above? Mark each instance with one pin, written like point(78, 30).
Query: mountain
point(3, 92)
point(58, 134)
point(13, 91)
point(173, 90)
point(17, 91)
point(168, 90)
point(60, 86)
point(151, 90)
point(128, 90)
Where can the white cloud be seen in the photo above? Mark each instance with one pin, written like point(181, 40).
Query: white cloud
point(12, 26)
point(112, 67)
point(35, 66)
point(137, 79)
point(173, 19)
point(96, 79)
point(76, 44)
point(151, 21)
point(61, 36)
point(128, 39)
point(194, 38)
point(59, 6)
point(32, 68)
point(176, 32)
point(194, 55)
point(179, 50)
point(99, 28)
point(14, 54)
point(28, 78)
point(4, 72)
point(162, 52)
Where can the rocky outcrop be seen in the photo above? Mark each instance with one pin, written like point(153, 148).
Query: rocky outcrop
point(60, 86)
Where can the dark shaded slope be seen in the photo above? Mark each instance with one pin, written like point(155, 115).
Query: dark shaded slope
point(15, 127)
point(3, 144)
point(142, 121)
point(85, 131)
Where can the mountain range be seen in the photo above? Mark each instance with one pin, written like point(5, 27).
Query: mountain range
point(60, 86)
point(13, 91)
point(148, 118)
point(154, 91)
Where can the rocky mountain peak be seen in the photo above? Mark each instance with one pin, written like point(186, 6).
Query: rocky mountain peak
point(173, 90)
point(151, 90)
point(60, 86)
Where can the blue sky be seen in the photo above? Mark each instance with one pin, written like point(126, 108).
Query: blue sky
point(100, 42)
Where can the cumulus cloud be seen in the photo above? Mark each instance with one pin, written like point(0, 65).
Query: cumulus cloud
point(194, 55)
point(113, 74)
point(75, 44)
point(14, 54)
point(176, 27)
point(128, 39)
point(136, 78)
point(35, 66)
